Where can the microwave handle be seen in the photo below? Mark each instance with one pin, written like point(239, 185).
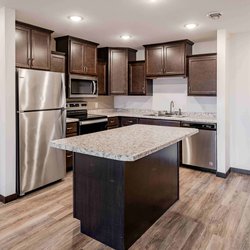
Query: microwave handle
point(95, 87)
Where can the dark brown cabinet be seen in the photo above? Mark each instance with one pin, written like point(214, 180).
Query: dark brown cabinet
point(202, 75)
point(102, 78)
point(117, 68)
point(167, 59)
point(113, 122)
point(81, 55)
point(127, 121)
point(138, 84)
point(33, 47)
point(71, 130)
point(58, 62)
point(159, 122)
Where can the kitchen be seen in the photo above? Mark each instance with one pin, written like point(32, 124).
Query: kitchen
point(164, 95)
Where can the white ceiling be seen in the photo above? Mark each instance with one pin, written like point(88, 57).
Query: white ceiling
point(147, 21)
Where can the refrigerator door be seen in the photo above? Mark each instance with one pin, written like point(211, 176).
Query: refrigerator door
point(40, 90)
point(39, 164)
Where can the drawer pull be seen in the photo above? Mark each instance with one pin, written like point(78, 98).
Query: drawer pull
point(69, 128)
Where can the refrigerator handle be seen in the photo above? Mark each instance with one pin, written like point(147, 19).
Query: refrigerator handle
point(63, 117)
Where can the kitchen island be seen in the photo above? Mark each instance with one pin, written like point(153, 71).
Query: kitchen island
point(124, 179)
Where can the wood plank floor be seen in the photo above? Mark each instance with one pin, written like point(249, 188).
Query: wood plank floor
point(212, 214)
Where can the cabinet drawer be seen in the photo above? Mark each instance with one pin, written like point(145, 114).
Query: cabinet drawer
point(71, 128)
point(126, 121)
point(159, 122)
point(69, 160)
point(113, 122)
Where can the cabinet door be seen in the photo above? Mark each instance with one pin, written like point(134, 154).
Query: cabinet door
point(22, 47)
point(40, 50)
point(174, 59)
point(118, 72)
point(77, 58)
point(57, 63)
point(137, 79)
point(90, 59)
point(102, 83)
point(202, 71)
point(154, 60)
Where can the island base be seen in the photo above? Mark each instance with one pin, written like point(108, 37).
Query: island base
point(118, 201)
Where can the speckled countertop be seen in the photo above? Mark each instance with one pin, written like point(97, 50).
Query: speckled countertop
point(125, 144)
point(189, 117)
point(69, 120)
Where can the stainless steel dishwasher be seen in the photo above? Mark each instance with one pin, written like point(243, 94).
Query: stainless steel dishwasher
point(200, 150)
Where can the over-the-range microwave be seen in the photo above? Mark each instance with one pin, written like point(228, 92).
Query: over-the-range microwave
point(82, 86)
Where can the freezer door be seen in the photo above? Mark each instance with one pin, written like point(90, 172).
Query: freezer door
point(39, 164)
point(39, 90)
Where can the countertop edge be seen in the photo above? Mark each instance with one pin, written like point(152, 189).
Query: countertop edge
point(121, 157)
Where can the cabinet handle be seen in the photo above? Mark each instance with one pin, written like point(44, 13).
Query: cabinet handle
point(69, 128)
point(69, 156)
point(32, 60)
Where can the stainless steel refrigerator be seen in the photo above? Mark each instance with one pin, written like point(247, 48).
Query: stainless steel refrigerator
point(41, 117)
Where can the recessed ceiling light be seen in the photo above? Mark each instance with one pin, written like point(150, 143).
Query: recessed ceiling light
point(215, 15)
point(126, 37)
point(191, 26)
point(75, 18)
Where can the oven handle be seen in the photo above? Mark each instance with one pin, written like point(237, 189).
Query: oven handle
point(82, 123)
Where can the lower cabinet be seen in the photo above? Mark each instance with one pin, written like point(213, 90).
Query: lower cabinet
point(159, 122)
point(72, 130)
point(126, 121)
point(113, 122)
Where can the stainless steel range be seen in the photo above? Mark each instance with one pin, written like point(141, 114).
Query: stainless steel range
point(87, 123)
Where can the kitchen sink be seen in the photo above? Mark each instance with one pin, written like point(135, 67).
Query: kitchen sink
point(165, 115)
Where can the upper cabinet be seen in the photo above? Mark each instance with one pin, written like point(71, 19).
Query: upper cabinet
point(138, 84)
point(33, 47)
point(202, 75)
point(117, 68)
point(57, 62)
point(81, 55)
point(167, 59)
point(102, 78)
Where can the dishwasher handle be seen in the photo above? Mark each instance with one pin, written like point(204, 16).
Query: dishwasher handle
point(206, 126)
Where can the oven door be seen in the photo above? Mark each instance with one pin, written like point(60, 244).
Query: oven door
point(92, 126)
point(82, 86)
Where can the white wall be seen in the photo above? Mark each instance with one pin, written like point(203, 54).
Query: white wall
point(223, 137)
point(172, 88)
point(7, 103)
point(239, 79)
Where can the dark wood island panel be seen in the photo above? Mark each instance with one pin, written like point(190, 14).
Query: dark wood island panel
point(117, 201)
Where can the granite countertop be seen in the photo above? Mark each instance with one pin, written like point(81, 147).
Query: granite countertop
point(69, 120)
point(125, 144)
point(188, 117)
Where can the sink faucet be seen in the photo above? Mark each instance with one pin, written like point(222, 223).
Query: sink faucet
point(171, 107)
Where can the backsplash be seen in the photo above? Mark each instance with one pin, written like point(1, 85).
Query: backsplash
point(165, 90)
point(101, 102)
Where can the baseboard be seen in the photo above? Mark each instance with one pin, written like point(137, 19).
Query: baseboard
point(240, 171)
point(223, 175)
point(6, 199)
point(213, 171)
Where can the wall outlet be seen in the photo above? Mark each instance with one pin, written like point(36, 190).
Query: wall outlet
point(96, 105)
